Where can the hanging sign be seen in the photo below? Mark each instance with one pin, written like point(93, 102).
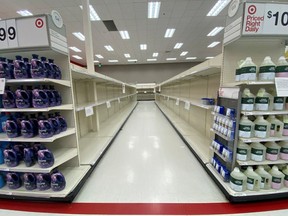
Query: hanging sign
point(265, 19)
point(89, 111)
point(281, 86)
point(2, 85)
point(108, 104)
point(187, 105)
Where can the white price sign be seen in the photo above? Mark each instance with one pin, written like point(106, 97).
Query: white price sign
point(265, 19)
point(119, 101)
point(89, 111)
point(177, 102)
point(123, 88)
point(13, 32)
point(108, 104)
point(187, 105)
point(281, 86)
point(2, 85)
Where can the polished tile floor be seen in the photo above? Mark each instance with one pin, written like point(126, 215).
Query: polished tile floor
point(149, 166)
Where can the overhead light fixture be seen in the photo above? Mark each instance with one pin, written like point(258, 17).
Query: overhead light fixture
point(124, 35)
point(153, 9)
point(99, 56)
point(215, 31)
point(155, 54)
point(184, 53)
point(127, 55)
point(143, 46)
point(75, 49)
point(24, 13)
point(170, 59)
point(209, 57)
point(76, 57)
point(79, 35)
point(191, 58)
point(153, 59)
point(178, 45)
point(113, 60)
point(218, 7)
point(96, 61)
point(93, 15)
point(132, 60)
point(109, 48)
point(215, 43)
point(169, 33)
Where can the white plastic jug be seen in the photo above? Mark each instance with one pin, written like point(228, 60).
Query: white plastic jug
point(285, 127)
point(247, 100)
point(246, 127)
point(266, 178)
point(276, 128)
point(238, 70)
point(253, 179)
point(267, 69)
point(277, 178)
point(285, 172)
point(258, 151)
point(278, 102)
point(243, 151)
point(238, 180)
point(263, 100)
point(262, 127)
point(282, 67)
point(248, 70)
point(272, 151)
point(284, 150)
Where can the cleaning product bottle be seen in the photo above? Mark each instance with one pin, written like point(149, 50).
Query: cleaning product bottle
point(13, 180)
point(19, 149)
point(263, 100)
point(29, 181)
point(238, 180)
point(63, 123)
point(246, 127)
point(20, 70)
point(51, 96)
point(285, 172)
point(253, 179)
point(272, 151)
point(278, 102)
point(28, 66)
point(285, 127)
point(277, 126)
point(55, 122)
point(11, 69)
point(262, 127)
point(282, 67)
point(45, 127)
point(283, 150)
point(8, 98)
point(258, 151)
point(22, 98)
point(37, 68)
point(58, 181)
point(277, 178)
point(247, 100)
point(43, 181)
point(57, 96)
point(46, 67)
point(29, 156)
point(267, 69)
point(248, 70)
point(27, 128)
point(39, 98)
point(34, 121)
point(57, 70)
point(243, 151)
point(12, 128)
point(266, 178)
point(10, 157)
point(4, 70)
point(45, 158)
point(238, 70)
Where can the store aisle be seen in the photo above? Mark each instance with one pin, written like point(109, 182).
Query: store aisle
point(148, 162)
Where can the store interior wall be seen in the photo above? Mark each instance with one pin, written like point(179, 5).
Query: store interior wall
point(145, 73)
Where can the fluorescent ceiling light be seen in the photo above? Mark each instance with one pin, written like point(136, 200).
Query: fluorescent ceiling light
point(99, 56)
point(24, 13)
point(213, 44)
point(79, 35)
point(153, 59)
point(75, 49)
point(153, 9)
point(76, 56)
point(218, 7)
point(96, 61)
point(109, 48)
point(124, 35)
point(184, 53)
point(155, 54)
point(191, 58)
point(178, 45)
point(143, 46)
point(93, 15)
point(209, 57)
point(113, 60)
point(169, 33)
point(170, 59)
point(127, 55)
point(132, 60)
point(215, 31)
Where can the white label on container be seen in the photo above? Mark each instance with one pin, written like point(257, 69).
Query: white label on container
point(187, 105)
point(257, 154)
point(247, 107)
point(241, 157)
point(278, 106)
point(89, 111)
point(236, 184)
point(248, 76)
point(266, 76)
point(245, 131)
point(260, 131)
point(250, 183)
point(261, 107)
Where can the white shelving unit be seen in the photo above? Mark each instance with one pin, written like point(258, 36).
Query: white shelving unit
point(61, 107)
point(145, 91)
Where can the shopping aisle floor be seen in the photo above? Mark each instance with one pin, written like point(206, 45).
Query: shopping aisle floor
point(148, 170)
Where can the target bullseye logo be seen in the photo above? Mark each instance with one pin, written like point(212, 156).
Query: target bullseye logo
point(39, 23)
point(252, 9)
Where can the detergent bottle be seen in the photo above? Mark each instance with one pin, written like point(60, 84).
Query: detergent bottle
point(28, 66)
point(20, 70)
point(277, 178)
point(238, 180)
point(266, 178)
point(263, 101)
point(57, 71)
point(8, 98)
point(23, 98)
point(267, 69)
point(272, 151)
point(247, 100)
point(285, 127)
point(58, 181)
point(253, 179)
point(277, 126)
point(282, 67)
point(258, 151)
point(283, 150)
point(45, 127)
point(262, 127)
point(246, 127)
point(29, 181)
point(63, 123)
point(243, 151)
point(248, 70)
point(39, 98)
point(13, 180)
point(37, 68)
point(238, 71)
point(285, 172)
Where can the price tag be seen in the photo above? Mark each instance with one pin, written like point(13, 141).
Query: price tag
point(89, 111)
point(265, 19)
point(8, 35)
point(168, 98)
point(2, 85)
point(187, 105)
point(108, 104)
point(177, 102)
point(154, 90)
point(281, 86)
point(119, 100)
point(159, 88)
point(123, 88)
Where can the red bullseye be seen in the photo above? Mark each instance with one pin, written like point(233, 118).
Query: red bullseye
point(252, 9)
point(39, 23)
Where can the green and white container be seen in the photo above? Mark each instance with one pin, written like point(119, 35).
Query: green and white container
point(243, 151)
point(247, 100)
point(248, 70)
point(277, 178)
point(285, 172)
point(282, 67)
point(272, 151)
point(283, 150)
point(263, 100)
point(246, 127)
point(285, 127)
point(267, 69)
point(253, 179)
point(238, 180)
point(266, 178)
point(258, 151)
point(276, 128)
point(262, 127)
point(238, 71)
